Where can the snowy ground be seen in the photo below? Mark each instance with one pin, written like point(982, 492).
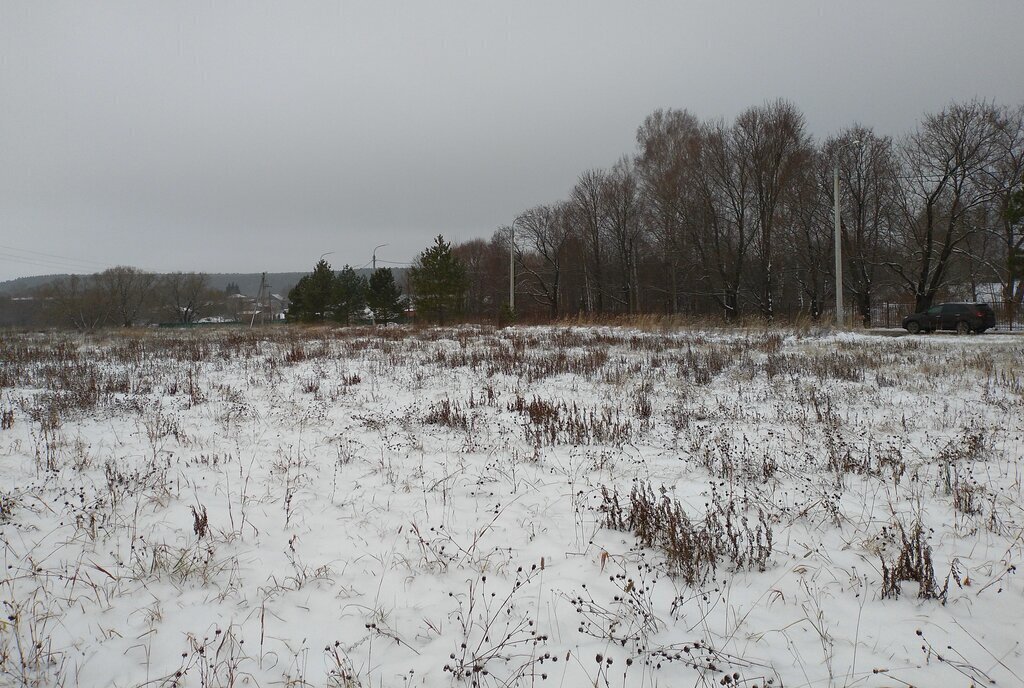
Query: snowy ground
point(453, 507)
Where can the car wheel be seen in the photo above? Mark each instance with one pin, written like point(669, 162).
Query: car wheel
point(963, 327)
point(913, 327)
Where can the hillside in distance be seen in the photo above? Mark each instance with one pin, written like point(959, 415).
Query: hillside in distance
point(248, 282)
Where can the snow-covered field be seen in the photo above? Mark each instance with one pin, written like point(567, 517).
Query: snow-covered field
point(531, 506)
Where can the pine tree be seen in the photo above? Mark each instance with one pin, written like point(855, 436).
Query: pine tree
point(383, 296)
point(349, 295)
point(311, 297)
point(439, 282)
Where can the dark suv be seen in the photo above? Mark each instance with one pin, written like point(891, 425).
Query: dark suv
point(962, 317)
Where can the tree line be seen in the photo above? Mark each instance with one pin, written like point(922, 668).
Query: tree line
point(705, 217)
point(127, 296)
point(736, 218)
point(438, 280)
point(344, 296)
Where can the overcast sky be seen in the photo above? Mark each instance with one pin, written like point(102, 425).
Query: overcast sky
point(246, 136)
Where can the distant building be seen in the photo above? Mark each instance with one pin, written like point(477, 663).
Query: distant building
point(247, 309)
point(989, 292)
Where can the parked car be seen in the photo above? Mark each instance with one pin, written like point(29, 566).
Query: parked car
point(962, 317)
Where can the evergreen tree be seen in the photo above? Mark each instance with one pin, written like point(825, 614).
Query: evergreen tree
point(349, 295)
point(439, 282)
point(311, 297)
point(296, 300)
point(383, 296)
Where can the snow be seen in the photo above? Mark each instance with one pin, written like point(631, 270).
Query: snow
point(381, 514)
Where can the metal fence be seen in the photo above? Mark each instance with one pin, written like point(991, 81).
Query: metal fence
point(890, 314)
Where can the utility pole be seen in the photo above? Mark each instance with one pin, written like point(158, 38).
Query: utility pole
point(840, 319)
point(512, 268)
point(258, 306)
point(839, 245)
point(270, 300)
point(261, 306)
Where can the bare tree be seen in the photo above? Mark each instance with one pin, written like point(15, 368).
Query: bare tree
point(184, 295)
point(980, 257)
point(724, 218)
point(868, 182)
point(126, 289)
point(588, 202)
point(622, 211)
point(946, 161)
point(77, 301)
point(806, 216)
point(545, 232)
point(668, 141)
point(486, 264)
point(1007, 183)
point(774, 146)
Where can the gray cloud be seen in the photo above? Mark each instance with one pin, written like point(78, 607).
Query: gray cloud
point(250, 136)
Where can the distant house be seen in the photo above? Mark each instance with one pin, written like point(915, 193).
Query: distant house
point(279, 306)
point(248, 309)
point(236, 305)
point(989, 292)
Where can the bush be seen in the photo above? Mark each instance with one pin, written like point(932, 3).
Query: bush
point(692, 550)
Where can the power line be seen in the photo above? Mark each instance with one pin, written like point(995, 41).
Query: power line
point(55, 261)
point(49, 264)
point(58, 257)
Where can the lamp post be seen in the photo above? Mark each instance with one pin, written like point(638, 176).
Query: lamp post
point(375, 254)
point(326, 253)
point(512, 268)
point(840, 319)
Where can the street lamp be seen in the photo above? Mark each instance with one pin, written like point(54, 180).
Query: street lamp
point(838, 237)
point(375, 254)
point(325, 254)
